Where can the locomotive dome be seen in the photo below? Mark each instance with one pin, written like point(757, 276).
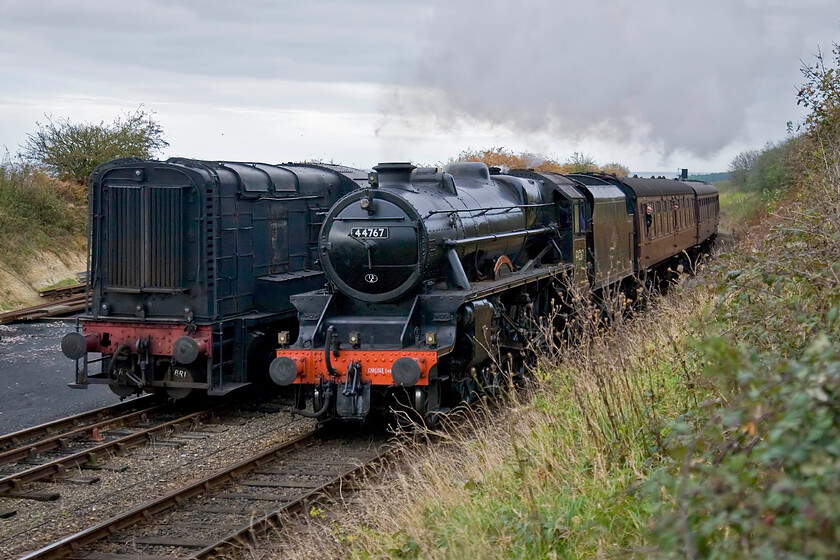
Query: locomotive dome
point(373, 241)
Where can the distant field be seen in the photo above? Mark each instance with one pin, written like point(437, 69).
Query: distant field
point(710, 177)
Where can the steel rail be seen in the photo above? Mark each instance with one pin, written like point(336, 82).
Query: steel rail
point(10, 485)
point(73, 545)
point(14, 439)
point(58, 441)
point(63, 290)
point(64, 306)
point(245, 536)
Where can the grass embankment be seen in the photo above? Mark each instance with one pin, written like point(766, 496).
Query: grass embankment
point(38, 215)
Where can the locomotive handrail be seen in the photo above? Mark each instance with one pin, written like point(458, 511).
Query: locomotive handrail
point(286, 199)
point(495, 236)
point(369, 218)
point(483, 211)
point(122, 290)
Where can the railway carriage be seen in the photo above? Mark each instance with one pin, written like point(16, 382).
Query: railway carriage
point(673, 220)
point(191, 267)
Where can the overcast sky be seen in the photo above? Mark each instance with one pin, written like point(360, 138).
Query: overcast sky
point(653, 84)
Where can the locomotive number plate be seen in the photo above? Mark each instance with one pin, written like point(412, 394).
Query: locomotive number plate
point(369, 232)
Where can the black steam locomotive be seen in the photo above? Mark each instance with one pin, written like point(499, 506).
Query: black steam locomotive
point(191, 266)
point(434, 273)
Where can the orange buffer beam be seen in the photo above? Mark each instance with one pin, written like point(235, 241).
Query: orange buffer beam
point(376, 364)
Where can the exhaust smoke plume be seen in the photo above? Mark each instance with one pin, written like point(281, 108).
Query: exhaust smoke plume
point(674, 75)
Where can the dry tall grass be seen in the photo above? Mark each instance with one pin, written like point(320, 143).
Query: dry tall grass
point(551, 472)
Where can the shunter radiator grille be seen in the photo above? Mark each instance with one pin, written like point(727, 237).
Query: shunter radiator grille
point(145, 237)
point(125, 237)
point(165, 238)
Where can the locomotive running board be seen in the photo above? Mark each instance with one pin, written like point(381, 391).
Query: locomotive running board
point(225, 389)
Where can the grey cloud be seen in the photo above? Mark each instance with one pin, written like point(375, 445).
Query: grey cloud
point(329, 40)
point(674, 75)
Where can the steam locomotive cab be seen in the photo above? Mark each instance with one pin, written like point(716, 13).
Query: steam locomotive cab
point(191, 268)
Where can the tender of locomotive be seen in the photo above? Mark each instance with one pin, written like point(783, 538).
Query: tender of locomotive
point(438, 278)
point(191, 266)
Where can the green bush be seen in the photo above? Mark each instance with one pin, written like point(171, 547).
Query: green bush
point(72, 150)
point(771, 169)
point(756, 472)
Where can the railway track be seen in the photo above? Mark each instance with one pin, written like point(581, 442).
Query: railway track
point(75, 422)
point(57, 308)
point(227, 509)
point(53, 457)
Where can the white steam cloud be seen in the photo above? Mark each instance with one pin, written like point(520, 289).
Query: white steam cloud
point(673, 75)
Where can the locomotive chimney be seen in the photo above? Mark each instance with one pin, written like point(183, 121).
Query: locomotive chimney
point(394, 174)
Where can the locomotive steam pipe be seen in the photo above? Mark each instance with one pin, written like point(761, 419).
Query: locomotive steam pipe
point(324, 407)
point(458, 277)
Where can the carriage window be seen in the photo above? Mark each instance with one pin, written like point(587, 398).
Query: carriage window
point(657, 219)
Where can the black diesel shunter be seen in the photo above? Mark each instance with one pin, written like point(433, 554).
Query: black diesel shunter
point(191, 266)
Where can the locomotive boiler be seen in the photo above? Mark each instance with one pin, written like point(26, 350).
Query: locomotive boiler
point(191, 267)
point(417, 226)
point(439, 279)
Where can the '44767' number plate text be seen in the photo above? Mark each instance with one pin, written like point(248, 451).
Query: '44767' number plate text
point(369, 232)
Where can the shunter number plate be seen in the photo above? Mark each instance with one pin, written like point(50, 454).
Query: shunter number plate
point(369, 232)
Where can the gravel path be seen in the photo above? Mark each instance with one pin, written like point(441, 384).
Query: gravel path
point(34, 375)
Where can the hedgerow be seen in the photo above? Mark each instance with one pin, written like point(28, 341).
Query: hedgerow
point(755, 473)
